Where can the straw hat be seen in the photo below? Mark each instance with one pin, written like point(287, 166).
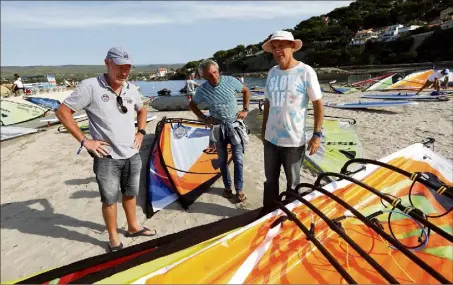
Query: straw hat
point(281, 36)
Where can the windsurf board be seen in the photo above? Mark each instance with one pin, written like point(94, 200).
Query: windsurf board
point(361, 105)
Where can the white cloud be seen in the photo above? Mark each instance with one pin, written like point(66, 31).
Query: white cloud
point(95, 14)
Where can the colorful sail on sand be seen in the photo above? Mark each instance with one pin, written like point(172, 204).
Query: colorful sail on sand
point(391, 222)
point(182, 163)
point(385, 82)
point(413, 81)
point(340, 142)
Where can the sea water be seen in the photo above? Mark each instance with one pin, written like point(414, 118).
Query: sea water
point(150, 88)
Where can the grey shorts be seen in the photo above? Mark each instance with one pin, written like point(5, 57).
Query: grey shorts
point(114, 175)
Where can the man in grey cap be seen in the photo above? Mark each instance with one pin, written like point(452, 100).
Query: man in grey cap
point(110, 102)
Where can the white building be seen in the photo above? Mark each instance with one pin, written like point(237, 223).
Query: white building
point(361, 37)
point(447, 25)
point(446, 14)
point(390, 33)
point(161, 72)
point(407, 29)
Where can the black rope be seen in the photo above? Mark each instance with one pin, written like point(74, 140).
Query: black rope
point(418, 178)
point(413, 212)
point(376, 228)
point(428, 216)
point(339, 230)
point(311, 237)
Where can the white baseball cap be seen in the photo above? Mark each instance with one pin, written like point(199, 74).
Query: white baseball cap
point(281, 36)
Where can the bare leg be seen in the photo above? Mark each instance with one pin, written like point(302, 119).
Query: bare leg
point(129, 204)
point(109, 212)
point(437, 85)
point(427, 84)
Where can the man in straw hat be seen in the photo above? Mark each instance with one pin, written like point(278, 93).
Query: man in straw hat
point(289, 86)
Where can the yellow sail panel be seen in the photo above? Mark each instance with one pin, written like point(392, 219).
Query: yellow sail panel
point(413, 81)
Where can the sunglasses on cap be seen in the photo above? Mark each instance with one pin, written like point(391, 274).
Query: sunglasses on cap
point(119, 100)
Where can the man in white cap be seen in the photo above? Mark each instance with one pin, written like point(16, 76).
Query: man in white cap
point(110, 102)
point(289, 86)
point(435, 79)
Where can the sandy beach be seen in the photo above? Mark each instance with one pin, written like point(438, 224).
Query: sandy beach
point(51, 210)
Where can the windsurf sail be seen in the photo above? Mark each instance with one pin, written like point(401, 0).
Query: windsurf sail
point(44, 102)
point(340, 142)
point(413, 81)
point(385, 82)
point(343, 89)
point(369, 81)
point(183, 164)
point(16, 112)
point(391, 222)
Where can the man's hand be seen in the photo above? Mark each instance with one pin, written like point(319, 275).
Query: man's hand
point(210, 121)
point(96, 147)
point(242, 114)
point(138, 140)
point(313, 145)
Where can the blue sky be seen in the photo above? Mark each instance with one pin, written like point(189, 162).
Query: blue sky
point(153, 32)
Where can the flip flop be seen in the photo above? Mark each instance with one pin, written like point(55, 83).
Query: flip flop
point(228, 193)
point(241, 197)
point(141, 233)
point(115, 248)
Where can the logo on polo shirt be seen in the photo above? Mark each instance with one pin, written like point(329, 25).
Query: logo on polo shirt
point(105, 97)
point(128, 100)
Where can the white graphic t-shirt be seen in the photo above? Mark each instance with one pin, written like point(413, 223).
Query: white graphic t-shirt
point(288, 92)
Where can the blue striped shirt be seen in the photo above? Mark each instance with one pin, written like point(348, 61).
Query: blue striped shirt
point(220, 99)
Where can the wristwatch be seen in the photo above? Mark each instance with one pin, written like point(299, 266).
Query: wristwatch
point(317, 134)
point(142, 131)
point(245, 109)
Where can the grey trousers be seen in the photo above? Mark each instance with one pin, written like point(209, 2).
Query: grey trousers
point(274, 157)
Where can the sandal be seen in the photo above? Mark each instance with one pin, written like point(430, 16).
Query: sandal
point(241, 197)
point(141, 233)
point(115, 248)
point(228, 193)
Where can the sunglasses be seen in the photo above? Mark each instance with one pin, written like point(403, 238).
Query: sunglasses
point(119, 100)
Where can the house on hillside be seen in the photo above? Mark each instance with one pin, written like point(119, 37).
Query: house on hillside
point(407, 29)
point(446, 14)
point(447, 25)
point(161, 72)
point(361, 37)
point(390, 33)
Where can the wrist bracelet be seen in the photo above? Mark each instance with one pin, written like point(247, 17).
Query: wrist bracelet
point(81, 145)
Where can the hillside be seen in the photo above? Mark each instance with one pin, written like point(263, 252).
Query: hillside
point(77, 72)
point(326, 38)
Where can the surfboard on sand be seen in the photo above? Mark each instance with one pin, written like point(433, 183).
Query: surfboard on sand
point(10, 132)
point(54, 119)
point(411, 97)
point(361, 105)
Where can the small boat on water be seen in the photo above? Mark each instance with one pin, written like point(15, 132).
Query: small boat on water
point(164, 92)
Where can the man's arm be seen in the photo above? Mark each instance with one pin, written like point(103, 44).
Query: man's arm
point(194, 108)
point(318, 108)
point(265, 116)
point(78, 100)
point(64, 114)
point(141, 118)
point(245, 97)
